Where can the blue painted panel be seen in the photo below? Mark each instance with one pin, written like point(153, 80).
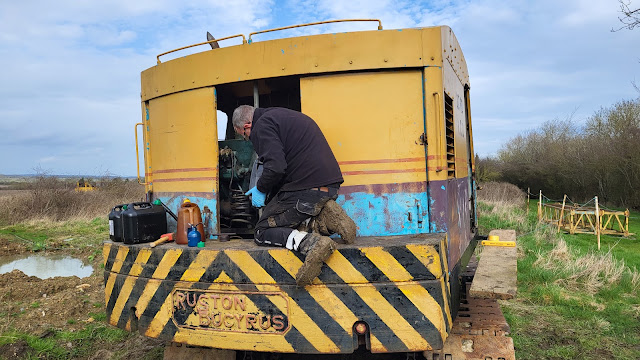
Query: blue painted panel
point(387, 214)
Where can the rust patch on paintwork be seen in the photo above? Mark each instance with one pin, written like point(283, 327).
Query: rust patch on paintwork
point(380, 189)
point(173, 195)
point(163, 171)
point(438, 195)
point(380, 161)
point(209, 178)
point(450, 212)
point(376, 172)
point(387, 216)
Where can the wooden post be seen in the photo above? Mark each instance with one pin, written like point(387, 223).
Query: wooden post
point(540, 207)
point(564, 200)
point(573, 226)
point(528, 197)
point(626, 223)
point(598, 222)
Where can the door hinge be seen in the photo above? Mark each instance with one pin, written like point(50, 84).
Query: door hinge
point(422, 140)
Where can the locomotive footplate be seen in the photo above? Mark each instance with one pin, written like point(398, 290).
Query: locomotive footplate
point(240, 296)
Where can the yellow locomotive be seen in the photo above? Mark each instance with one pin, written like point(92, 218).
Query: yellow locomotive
point(394, 106)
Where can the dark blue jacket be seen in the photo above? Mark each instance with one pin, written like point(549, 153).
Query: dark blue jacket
point(295, 153)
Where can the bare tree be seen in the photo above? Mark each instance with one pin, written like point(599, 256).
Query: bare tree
point(630, 18)
point(601, 156)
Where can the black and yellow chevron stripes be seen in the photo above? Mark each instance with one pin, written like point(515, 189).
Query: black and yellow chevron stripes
point(240, 296)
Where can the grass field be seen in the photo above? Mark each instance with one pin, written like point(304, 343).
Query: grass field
point(574, 301)
point(74, 325)
point(62, 317)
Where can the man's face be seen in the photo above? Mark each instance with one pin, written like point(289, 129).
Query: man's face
point(244, 131)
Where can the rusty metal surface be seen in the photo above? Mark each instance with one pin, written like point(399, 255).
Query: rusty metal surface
point(449, 213)
point(474, 347)
point(480, 331)
point(480, 317)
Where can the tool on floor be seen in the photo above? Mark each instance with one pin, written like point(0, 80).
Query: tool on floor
point(164, 238)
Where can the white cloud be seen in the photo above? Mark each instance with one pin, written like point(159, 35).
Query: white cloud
point(110, 37)
point(71, 68)
point(586, 13)
point(47, 159)
point(71, 73)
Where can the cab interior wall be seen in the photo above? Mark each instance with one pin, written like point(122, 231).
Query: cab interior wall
point(273, 92)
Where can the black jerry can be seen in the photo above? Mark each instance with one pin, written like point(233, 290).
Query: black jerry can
point(143, 222)
point(115, 223)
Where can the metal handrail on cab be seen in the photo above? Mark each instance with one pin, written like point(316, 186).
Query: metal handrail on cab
point(135, 130)
point(314, 23)
point(244, 41)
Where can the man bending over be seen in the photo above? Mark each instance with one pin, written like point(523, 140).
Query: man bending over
point(303, 177)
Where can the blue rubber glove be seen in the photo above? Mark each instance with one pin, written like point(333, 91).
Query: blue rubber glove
point(257, 197)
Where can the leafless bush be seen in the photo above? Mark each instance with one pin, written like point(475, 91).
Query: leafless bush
point(487, 169)
point(54, 199)
point(501, 193)
point(599, 156)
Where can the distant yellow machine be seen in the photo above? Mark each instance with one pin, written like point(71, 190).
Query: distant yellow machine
point(84, 185)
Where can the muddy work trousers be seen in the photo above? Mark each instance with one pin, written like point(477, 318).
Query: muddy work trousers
point(286, 211)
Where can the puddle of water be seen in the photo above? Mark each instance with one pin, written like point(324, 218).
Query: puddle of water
point(45, 267)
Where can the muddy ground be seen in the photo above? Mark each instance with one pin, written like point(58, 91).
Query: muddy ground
point(42, 307)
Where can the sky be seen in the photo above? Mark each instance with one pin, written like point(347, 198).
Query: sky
point(70, 70)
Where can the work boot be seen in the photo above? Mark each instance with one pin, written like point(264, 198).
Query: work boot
point(316, 250)
point(333, 219)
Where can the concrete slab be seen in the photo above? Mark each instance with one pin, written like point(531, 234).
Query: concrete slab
point(496, 275)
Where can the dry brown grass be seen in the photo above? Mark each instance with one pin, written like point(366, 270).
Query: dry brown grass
point(635, 277)
point(5, 193)
point(50, 198)
point(545, 234)
point(590, 272)
point(560, 254)
point(506, 202)
point(501, 206)
point(508, 213)
point(501, 193)
point(593, 271)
